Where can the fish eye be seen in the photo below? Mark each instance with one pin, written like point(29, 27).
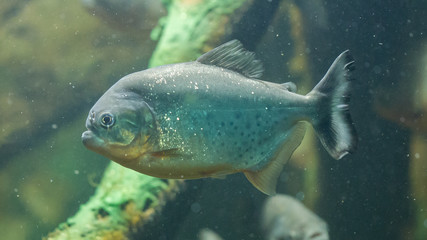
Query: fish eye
point(107, 120)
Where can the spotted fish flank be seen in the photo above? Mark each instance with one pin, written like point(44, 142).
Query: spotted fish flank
point(214, 117)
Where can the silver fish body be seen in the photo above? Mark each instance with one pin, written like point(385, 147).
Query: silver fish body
point(209, 118)
point(284, 217)
point(198, 111)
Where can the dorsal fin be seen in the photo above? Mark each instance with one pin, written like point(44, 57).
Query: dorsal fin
point(231, 55)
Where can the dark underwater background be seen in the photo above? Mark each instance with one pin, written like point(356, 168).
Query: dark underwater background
point(58, 57)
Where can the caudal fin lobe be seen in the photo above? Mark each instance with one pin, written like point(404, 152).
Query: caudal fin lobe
point(332, 121)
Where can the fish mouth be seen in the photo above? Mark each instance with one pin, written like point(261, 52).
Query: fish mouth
point(91, 141)
point(87, 137)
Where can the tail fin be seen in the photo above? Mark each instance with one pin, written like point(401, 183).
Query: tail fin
point(332, 122)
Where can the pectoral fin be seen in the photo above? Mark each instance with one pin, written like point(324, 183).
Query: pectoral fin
point(167, 153)
point(265, 179)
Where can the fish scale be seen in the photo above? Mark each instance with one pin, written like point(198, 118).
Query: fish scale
point(244, 138)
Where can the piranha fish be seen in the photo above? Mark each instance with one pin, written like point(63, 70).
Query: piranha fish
point(214, 117)
point(284, 217)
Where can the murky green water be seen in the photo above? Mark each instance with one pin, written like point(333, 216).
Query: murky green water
point(58, 57)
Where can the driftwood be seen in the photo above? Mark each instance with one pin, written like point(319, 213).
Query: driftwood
point(123, 202)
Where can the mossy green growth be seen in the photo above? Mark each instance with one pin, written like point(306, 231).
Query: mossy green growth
point(107, 214)
point(123, 198)
point(189, 26)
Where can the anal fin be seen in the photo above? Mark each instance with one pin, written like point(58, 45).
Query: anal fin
point(219, 176)
point(265, 179)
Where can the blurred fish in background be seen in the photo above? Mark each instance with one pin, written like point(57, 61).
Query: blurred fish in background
point(207, 234)
point(285, 218)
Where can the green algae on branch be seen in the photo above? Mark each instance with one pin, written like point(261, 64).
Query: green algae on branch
point(191, 28)
point(122, 203)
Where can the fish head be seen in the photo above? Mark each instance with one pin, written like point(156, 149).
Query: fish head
point(121, 128)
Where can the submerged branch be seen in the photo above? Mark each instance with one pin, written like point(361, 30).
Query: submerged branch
point(123, 203)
